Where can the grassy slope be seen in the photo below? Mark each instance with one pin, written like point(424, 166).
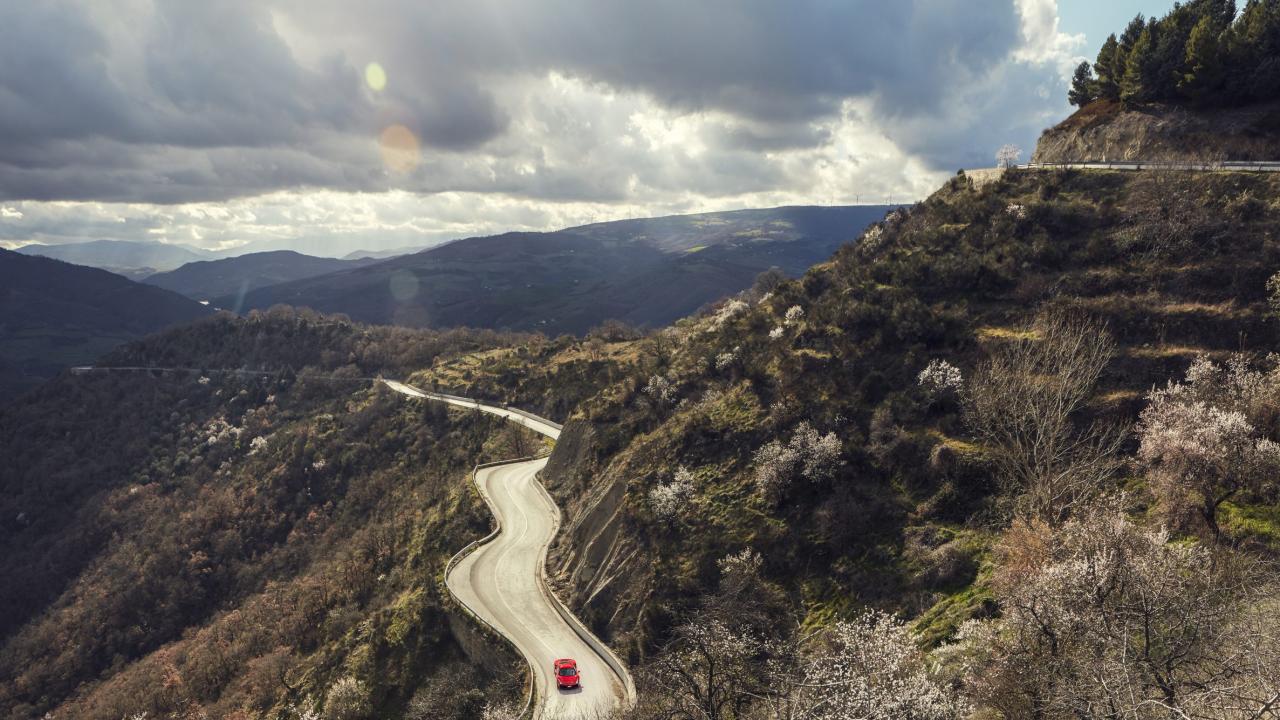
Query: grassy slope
point(1176, 265)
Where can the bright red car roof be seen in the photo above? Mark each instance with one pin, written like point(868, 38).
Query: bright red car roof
point(566, 662)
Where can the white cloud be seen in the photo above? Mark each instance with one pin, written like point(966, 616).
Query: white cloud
point(530, 116)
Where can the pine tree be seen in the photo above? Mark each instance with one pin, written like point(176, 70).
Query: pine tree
point(1204, 70)
point(1109, 69)
point(1131, 33)
point(1136, 85)
point(1256, 52)
point(1083, 89)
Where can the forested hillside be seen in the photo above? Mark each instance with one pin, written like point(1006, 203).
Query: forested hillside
point(205, 544)
point(231, 277)
point(1201, 84)
point(54, 315)
point(992, 405)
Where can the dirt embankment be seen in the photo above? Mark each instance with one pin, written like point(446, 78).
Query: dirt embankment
point(1106, 131)
point(595, 562)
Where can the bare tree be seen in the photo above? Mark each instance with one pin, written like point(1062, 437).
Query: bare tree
point(711, 672)
point(1022, 404)
point(869, 668)
point(1105, 619)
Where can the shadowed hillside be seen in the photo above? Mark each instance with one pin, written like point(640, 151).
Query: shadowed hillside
point(207, 279)
point(268, 545)
point(647, 272)
point(54, 315)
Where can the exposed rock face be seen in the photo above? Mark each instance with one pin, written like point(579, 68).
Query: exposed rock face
point(594, 562)
point(1104, 131)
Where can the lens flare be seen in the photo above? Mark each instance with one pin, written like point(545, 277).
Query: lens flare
point(400, 151)
point(403, 285)
point(375, 76)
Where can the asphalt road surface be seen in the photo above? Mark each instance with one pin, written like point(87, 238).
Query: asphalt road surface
point(502, 580)
point(535, 424)
point(502, 583)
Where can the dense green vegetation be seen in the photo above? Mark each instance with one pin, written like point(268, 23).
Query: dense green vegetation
point(1200, 52)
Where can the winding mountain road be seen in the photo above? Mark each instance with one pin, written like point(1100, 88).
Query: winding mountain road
point(502, 581)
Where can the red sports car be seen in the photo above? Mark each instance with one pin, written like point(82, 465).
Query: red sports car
point(567, 673)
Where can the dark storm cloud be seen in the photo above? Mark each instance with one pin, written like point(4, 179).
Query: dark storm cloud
point(173, 101)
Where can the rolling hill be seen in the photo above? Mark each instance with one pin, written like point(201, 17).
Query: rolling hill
point(134, 260)
point(206, 279)
point(54, 314)
point(646, 272)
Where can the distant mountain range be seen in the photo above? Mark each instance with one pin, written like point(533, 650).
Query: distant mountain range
point(134, 260)
point(54, 314)
point(384, 254)
point(646, 272)
point(206, 279)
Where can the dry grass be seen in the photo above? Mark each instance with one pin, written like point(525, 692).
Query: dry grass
point(1005, 334)
point(1158, 352)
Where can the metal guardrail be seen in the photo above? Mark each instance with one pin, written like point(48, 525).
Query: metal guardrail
point(472, 402)
point(536, 418)
point(1224, 165)
point(527, 710)
point(588, 637)
point(602, 650)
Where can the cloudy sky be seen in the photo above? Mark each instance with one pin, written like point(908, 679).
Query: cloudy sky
point(327, 126)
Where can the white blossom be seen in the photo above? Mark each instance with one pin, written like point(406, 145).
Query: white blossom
point(1200, 444)
point(219, 430)
point(776, 333)
point(872, 668)
point(940, 377)
point(667, 500)
point(1017, 210)
point(347, 699)
point(794, 314)
point(809, 454)
point(1007, 156)
point(257, 444)
point(661, 389)
point(728, 311)
point(741, 565)
point(500, 711)
point(727, 359)
point(873, 237)
point(203, 380)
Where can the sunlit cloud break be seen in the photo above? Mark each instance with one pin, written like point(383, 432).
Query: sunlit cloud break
point(320, 127)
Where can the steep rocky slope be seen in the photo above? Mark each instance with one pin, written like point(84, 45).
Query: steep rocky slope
point(1106, 131)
